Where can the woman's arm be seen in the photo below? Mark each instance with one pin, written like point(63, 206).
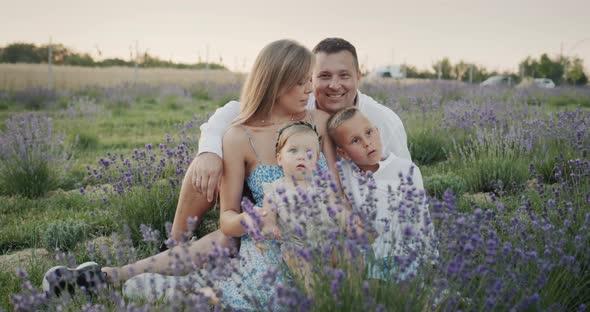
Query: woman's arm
point(232, 183)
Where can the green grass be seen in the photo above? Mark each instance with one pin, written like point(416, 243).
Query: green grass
point(120, 128)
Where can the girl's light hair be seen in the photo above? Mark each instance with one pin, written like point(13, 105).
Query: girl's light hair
point(289, 131)
point(279, 66)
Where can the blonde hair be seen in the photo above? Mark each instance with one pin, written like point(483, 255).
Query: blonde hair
point(291, 130)
point(279, 67)
point(339, 118)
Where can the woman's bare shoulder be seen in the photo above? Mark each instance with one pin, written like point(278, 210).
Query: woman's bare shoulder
point(234, 135)
point(319, 115)
point(320, 119)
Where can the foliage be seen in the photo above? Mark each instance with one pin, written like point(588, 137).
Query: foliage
point(30, 53)
point(64, 235)
point(525, 247)
point(437, 184)
point(575, 72)
point(35, 157)
point(570, 68)
point(443, 68)
point(427, 147)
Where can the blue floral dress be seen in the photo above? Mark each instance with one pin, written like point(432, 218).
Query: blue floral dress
point(257, 286)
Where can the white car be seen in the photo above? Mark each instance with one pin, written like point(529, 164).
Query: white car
point(544, 83)
point(388, 72)
point(497, 81)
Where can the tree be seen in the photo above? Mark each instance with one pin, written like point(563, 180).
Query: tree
point(445, 68)
point(461, 71)
point(529, 66)
point(76, 59)
point(575, 72)
point(20, 53)
point(547, 68)
point(413, 72)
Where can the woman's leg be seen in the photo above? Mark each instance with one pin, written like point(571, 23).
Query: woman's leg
point(179, 260)
point(191, 203)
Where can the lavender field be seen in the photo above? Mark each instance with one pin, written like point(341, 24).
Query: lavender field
point(94, 174)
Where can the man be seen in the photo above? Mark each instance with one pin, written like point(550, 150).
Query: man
point(336, 78)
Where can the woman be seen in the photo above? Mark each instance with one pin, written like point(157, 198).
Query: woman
point(274, 94)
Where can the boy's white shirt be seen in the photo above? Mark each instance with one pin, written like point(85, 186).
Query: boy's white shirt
point(386, 177)
point(387, 121)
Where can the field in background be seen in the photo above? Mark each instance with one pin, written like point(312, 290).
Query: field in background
point(516, 157)
point(21, 76)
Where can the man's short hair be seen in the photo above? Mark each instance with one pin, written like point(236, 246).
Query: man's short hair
point(335, 45)
point(340, 117)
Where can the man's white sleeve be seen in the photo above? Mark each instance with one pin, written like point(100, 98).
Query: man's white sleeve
point(212, 131)
point(393, 134)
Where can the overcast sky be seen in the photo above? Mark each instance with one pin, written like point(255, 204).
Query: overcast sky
point(495, 33)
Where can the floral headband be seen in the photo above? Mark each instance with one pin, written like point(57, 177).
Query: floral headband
point(298, 123)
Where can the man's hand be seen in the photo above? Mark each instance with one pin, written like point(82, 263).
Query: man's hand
point(206, 175)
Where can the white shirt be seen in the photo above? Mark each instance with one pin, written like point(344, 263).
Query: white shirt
point(387, 200)
point(388, 122)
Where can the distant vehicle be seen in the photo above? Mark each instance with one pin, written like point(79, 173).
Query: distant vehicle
point(543, 83)
point(497, 81)
point(388, 72)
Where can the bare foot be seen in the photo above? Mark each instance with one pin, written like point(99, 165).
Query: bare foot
point(209, 293)
point(113, 275)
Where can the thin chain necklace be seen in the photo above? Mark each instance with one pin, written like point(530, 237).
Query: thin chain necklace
point(269, 123)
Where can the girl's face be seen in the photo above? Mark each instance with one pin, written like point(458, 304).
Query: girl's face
point(299, 155)
point(294, 100)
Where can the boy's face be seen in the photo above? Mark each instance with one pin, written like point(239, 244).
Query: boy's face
point(299, 156)
point(335, 81)
point(359, 140)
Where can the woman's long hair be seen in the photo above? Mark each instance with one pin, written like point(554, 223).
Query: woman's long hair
point(279, 66)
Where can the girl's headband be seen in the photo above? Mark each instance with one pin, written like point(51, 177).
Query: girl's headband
point(298, 123)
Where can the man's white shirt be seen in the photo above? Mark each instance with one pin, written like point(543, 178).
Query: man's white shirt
point(391, 128)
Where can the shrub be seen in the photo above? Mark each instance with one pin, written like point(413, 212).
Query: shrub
point(145, 186)
point(436, 185)
point(154, 206)
point(35, 157)
point(35, 98)
point(64, 235)
point(494, 174)
point(86, 141)
point(427, 148)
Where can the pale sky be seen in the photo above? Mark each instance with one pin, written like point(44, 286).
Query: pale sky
point(494, 33)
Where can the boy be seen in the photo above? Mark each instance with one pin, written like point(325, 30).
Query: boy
point(387, 186)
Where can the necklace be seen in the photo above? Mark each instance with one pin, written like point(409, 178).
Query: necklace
point(270, 123)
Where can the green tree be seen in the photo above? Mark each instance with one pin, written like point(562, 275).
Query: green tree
point(76, 59)
point(548, 68)
point(461, 71)
point(445, 68)
point(20, 53)
point(529, 66)
point(413, 72)
point(575, 72)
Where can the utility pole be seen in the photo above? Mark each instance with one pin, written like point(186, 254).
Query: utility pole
point(49, 66)
point(135, 74)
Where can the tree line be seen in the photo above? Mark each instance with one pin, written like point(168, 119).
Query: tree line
point(569, 70)
point(60, 55)
point(562, 69)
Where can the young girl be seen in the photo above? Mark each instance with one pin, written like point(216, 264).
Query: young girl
point(296, 207)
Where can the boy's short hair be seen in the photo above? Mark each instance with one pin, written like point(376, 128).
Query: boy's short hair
point(335, 45)
point(338, 118)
